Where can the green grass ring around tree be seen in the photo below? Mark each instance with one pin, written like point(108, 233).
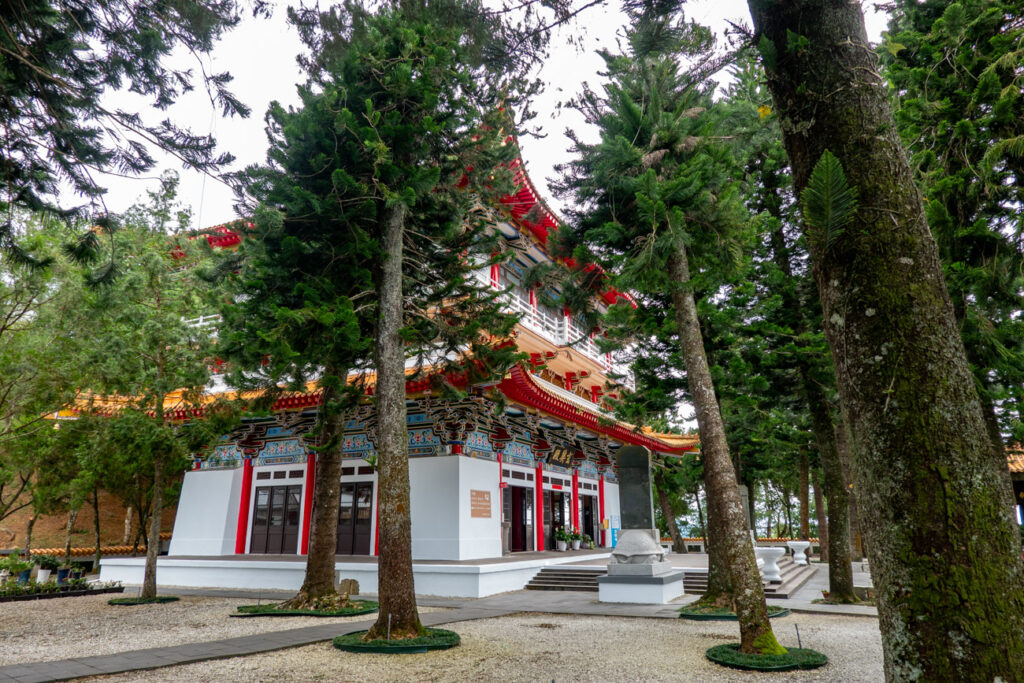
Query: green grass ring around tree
point(272, 610)
point(795, 658)
point(139, 600)
point(724, 613)
point(435, 639)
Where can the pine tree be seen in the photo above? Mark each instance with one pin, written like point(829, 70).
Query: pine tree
point(377, 176)
point(949, 576)
point(57, 60)
point(144, 355)
point(656, 211)
point(955, 69)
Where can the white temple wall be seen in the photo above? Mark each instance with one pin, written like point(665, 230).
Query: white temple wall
point(443, 525)
point(479, 536)
point(207, 516)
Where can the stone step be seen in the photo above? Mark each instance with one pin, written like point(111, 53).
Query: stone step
point(793, 575)
point(560, 587)
point(565, 579)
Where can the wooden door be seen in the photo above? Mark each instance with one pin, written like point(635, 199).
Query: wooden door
point(275, 524)
point(355, 518)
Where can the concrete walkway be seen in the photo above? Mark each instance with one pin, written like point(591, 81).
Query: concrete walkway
point(552, 602)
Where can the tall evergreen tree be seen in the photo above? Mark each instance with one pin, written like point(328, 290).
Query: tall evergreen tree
point(144, 354)
point(955, 69)
point(949, 576)
point(785, 315)
point(377, 176)
point(656, 206)
point(59, 57)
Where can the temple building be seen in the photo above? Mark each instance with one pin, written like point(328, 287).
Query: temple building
point(482, 486)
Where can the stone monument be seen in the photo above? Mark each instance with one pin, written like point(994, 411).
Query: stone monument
point(638, 571)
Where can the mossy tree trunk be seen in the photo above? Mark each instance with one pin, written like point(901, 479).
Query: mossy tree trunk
point(945, 555)
point(394, 566)
point(725, 509)
point(323, 528)
point(843, 447)
point(819, 510)
point(661, 483)
point(153, 538)
point(805, 496)
point(837, 495)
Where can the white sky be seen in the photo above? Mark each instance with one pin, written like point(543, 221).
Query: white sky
point(260, 54)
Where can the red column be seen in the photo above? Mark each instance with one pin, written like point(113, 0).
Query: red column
point(307, 504)
point(576, 500)
point(243, 507)
point(600, 510)
point(539, 506)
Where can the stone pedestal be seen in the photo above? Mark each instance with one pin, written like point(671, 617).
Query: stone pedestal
point(799, 549)
point(770, 571)
point(643, 590)
point(638, 571)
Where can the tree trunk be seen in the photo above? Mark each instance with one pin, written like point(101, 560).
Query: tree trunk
point(28, 532)
point(96, 526)
point(72, 516)
point(153, 537)
point(944, 552)
point(323, 530)
point(819, 509)
point(856, 541)
point(751, 500)
point(840, 571)
point(725, 509)
point(666, 511)
point(787, 506)
point(395, 579)
point(126, 538)
point(805, 496)
point(700, 517)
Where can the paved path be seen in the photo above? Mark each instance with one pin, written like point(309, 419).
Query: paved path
point(553, 602)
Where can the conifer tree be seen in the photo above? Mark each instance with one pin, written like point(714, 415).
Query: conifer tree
point(57, 60)
point(955, 70)
point(376, 177)
point(656, 207)
point(144, 355)
point(949, 576)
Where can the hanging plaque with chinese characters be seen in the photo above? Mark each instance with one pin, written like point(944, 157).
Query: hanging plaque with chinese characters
point(561, 456)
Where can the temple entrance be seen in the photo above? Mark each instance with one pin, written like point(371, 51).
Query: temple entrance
point(589, 522)
point(275, 522)
point(517, 510)
point(355, 515)
point(556, 515)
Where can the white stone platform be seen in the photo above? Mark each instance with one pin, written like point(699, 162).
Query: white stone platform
point(641, 590)
point(454, 580)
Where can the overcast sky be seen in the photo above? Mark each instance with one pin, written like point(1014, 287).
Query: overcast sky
point(260, 54)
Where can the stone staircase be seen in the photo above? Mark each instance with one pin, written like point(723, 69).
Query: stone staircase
point(794, 576)
point(565, 579)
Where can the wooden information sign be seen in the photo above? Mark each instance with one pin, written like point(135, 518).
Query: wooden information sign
point(479, 503)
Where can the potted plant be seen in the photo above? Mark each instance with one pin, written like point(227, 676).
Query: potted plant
point(47, 564)
point(63, 569)
point(18, 567)
point(576, 539)
point(588, 542)
point(562, 538)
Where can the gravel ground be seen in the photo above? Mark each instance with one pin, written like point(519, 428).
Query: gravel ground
point(43, 630)
point(535, 647)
